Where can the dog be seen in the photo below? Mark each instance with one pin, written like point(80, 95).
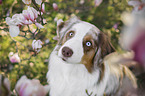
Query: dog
point(79, 65)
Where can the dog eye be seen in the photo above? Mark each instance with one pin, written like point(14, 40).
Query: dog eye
point(88, 44)
point(71, 34)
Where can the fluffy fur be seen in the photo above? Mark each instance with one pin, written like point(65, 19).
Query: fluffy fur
point(87, 71)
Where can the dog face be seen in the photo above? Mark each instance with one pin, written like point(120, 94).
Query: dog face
point(83, 43)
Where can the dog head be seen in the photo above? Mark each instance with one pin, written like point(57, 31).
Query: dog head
point(82, 43)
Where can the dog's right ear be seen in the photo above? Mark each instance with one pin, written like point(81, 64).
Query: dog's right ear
point(60, 25)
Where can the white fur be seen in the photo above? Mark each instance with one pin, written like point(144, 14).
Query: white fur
point(68, 79)
point(73, 79)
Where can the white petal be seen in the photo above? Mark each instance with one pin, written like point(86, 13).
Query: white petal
point(33, 44)
point(35, 12)
point(27, 1)
point(98, 2)
point(39, 44)
point(8, 19)
point(14, 30)
point(38, 2)
point(39, 25)
point(134, 3)
point(31, 14)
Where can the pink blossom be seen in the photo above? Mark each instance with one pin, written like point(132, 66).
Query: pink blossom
point(43, 8)
point(30, 14)
point(28, 2)
point(55, 7)
point(98, 2)
point(0, 1)
point(133, 37)
point(36, 45)
point(14, 58)
point(27, 17)
point(27, 87)
point(4, 86)
point(138, 46)
point(115, 26)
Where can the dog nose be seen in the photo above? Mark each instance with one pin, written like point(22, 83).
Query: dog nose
point(67, 52)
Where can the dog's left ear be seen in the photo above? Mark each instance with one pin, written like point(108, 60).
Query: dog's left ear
point(104, 48)
point(105, 45)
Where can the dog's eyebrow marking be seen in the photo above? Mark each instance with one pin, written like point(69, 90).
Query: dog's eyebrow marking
point(66, 30)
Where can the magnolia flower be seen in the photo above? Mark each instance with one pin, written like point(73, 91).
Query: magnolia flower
point(4, 86)
point(27, 87)
point(139, 48)
point(15, 22)
point(25, 18)
point(36, 45)
point(98, 2)
point(30, 14)
point(14, 58)
point(28, 2)
point(55, 7)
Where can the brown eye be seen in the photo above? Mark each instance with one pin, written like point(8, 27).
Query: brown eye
point(71, 34)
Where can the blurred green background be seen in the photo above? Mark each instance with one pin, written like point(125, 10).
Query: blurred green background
point(107, 17)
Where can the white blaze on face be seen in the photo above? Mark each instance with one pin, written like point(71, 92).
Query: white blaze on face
point(76, 42)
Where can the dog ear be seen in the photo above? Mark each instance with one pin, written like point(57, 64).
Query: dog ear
point(60, 25)
point(105, 45)
point(104, 48)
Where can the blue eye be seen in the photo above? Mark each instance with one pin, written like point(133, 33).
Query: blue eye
point(88, 44)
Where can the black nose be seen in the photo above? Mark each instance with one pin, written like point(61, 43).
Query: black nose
point(67, 52)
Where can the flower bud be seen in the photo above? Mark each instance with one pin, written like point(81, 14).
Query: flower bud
point(36, 45)
point(14, 58)
point(55, 7)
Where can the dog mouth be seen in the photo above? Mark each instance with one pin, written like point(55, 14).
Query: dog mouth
point(64, 58)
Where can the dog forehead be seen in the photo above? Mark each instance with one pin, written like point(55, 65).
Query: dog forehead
point(84, 28)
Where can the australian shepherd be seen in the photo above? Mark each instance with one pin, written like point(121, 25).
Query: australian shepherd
point(79, 65)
